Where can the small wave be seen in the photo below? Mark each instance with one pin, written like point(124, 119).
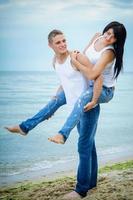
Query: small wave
point(42, 165)
point(115, 150)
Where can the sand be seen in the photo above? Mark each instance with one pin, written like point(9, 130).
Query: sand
point(114, 183)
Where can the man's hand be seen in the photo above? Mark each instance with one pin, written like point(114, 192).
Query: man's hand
point(89, 106)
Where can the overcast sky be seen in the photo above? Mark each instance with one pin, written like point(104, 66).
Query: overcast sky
point(25, 24)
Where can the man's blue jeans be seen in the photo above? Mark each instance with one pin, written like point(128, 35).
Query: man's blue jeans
point(88, 165)
point(44, 113)
point(78, 110)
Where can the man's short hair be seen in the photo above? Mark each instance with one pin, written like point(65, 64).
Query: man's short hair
point(53, 33)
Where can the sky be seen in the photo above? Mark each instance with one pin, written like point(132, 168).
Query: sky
point(25, 24)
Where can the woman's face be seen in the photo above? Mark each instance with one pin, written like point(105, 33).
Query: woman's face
point(109, 36)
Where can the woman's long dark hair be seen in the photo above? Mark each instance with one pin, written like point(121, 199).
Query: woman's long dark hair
point(120, 35)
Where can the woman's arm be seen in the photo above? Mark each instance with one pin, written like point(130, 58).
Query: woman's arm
point(97, 83)
point(82, 58)
point(97, 89)
point(94, 37)
point(89, 70)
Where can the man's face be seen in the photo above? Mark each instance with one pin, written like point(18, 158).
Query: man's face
point(58, 44)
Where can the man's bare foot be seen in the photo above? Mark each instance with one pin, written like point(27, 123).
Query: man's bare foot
point(72, 195)
point(16, 129)
point(59, 139)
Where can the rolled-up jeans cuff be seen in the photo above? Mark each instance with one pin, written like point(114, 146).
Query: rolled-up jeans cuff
point(23, 129)
point(65, 138)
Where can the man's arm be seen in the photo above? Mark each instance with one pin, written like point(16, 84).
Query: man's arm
point(59, 89)
point(57, 92)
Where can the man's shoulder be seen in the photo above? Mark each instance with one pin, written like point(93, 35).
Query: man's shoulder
point(53, 61)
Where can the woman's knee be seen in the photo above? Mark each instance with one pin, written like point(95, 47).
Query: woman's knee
point(60, 98)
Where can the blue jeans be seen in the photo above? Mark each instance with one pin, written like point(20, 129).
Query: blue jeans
point(78, 110)
point(88, 165)
point(44, 113)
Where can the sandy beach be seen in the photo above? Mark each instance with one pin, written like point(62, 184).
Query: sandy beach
point(115, 182)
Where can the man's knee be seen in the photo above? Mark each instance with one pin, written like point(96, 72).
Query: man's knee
point(84, 147)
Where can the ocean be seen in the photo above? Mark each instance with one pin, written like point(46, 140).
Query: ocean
point(22, 94)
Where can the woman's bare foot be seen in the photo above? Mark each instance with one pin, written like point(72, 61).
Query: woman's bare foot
point(15, 129)
point(59, 139)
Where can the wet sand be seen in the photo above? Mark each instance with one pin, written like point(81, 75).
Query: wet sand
point(115, 182)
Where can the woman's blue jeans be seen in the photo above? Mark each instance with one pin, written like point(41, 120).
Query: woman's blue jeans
point(44, 113)
point(88, 165)
point(78, 110)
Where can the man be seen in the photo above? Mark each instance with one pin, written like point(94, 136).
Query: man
point(87, 169)
point(73, 83)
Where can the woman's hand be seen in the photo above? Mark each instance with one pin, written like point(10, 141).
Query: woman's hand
point(89, 106)
point(73, 56)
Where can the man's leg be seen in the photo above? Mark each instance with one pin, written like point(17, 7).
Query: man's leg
point(94, 168)
point(42, 115)
point(87, 169)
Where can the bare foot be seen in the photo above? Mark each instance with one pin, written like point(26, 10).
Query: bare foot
point(59, 139)
point(15, 129)
point(72, 195)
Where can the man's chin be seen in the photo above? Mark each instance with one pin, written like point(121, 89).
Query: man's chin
point(63, 51)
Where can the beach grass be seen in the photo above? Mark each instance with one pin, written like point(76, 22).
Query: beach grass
point(115, 182)
point(117, 166)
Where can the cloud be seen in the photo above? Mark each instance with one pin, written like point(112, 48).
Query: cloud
point(26, 14)
point(29, 21)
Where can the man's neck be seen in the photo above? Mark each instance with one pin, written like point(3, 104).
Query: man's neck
point(62, 57)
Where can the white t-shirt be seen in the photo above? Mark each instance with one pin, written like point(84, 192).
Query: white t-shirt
point(72, 81)
point(94, 56)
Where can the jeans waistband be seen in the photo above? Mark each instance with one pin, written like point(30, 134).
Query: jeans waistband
point(113, 87)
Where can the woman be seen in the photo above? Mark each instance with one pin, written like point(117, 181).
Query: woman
point(104, 55)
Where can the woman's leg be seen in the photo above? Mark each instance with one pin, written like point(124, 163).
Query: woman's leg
point(76, 113)
point(42, 115)
point(78, 109)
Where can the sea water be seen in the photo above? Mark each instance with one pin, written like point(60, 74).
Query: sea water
point(22, 94)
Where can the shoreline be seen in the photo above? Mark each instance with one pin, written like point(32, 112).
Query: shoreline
point(115, 182)
point(58, 172)
point(69, 173)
